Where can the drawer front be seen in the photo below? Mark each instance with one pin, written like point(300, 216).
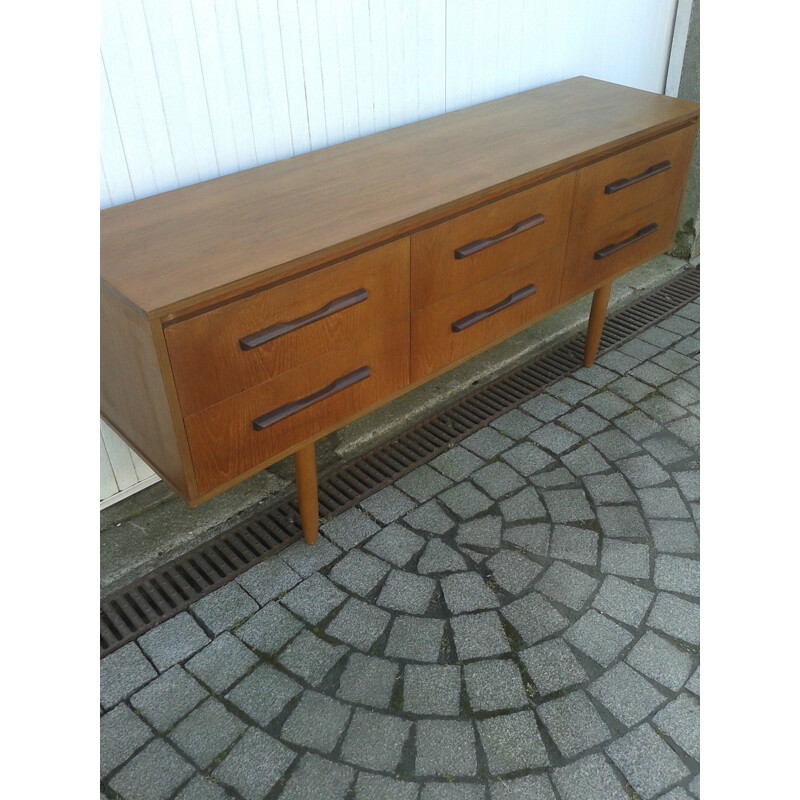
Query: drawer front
point(305, 402)
point(286, 325)
point(617, 246)
point(638, 177)
point(478, 244)
point(479, 315)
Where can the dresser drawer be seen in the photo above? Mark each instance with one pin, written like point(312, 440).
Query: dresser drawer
point(479, 315)
point(635, 178)
point(304, 402)
point(231, 348)
point(617, 246)
point(463, 251)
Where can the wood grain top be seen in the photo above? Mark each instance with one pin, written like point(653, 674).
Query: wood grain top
point(184, 247)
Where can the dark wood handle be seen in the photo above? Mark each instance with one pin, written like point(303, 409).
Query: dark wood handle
point(623, 183)
point(254, 340)
point(612, 248)
point(476, 316)
point(479, 244)
point(277, 414)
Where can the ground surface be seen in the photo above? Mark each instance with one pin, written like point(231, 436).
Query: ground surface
point(517, 619)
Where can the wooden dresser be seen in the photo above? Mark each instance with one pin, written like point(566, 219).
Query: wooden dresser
point(245, 317)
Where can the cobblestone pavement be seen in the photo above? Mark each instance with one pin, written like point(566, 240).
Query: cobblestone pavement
point(518, 618)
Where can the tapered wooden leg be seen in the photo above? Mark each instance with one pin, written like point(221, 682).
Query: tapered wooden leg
point(597, 316)
point(305, 468)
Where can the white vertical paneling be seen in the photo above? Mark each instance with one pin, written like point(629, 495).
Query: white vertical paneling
point(194, 89)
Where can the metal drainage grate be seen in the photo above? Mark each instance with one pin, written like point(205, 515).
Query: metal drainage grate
point(166, 591)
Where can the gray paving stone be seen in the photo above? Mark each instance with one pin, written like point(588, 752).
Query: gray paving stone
point(208, 731)
point(269, 629)
point(224, 608)
point(432, 689)
point(621, 522)
point(429, 517)
point(584, 422)
point(359, 572)
point(585, 460)
point(220, 664)
point(512, 571)
point(415, 638)
point(607, 404)
point(566, 585)
point(529, 787)
point(317, 777)
point(483, 532)
point(626, 694)
point(652, 374)
point(647, 761)
point(535, 539)
point(457, 463)
point(676, 617)
point(423, 483)
point(619, 362)
point(609, 489)
point(264, 693)
point(595, 375)
point(479, 635)
point(358, 624)
point(305, 560)
point(674, 574)
point(567, 505)
point(370, 786)
point(516, 424)
point(122, 733)
point(494, 685)
point(630, 388)
point(623, 601)
point(678, 793)
point(693, 376)
point(643, 471)
point(368, 680)
point(664, 503)
point(637, 425)
point(439, 557)
point(317, 721)
point(350, 528)
point(690, 346)
point(388, 504)
point(404, 591)
point(681, 392)
point(512, 742)
point(527, 458)
point(574, 544)
point(674, 361)
point(153, 774)
point(661, 661)
point(498, 479)
point(573, 723)
point(452, 791)
point(395, 544)
point(545, 408)
point(687, 430)
point(614, 444)
point(173, 641)
point(255, 764)
point(570, 391)
point(168, 698)
point(639, 349)
point(552, 477)
point(445, 748)
point(202, 788)
point(534, 618)
point(666, 448)
point(661, 408)
point(588, 778)
point(314, 598)
point(690, 311)
point(375, 740)
point(597, 636)
point(467, 591)
point(693, 684)
point(465, 500)
point(679, 325)
point(552, 666)
point(628, 559)
point(123, 672)
point(680, 720)
point(694, 786)
point(487, 442)
point(268, 580)
point(311, 658)
point(554, 438)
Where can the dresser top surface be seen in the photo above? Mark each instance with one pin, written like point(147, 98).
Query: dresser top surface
point(183, 247)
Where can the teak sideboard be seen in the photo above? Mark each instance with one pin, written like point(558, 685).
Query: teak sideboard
point(245, 317)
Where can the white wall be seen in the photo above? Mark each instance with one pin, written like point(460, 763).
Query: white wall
point(194, 89)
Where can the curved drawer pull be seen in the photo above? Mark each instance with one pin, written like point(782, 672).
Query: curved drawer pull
point(623, 183)
point(476, 316)
point(253, 340)
point(479, 244)
point(277, 414)
point(612, 248)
